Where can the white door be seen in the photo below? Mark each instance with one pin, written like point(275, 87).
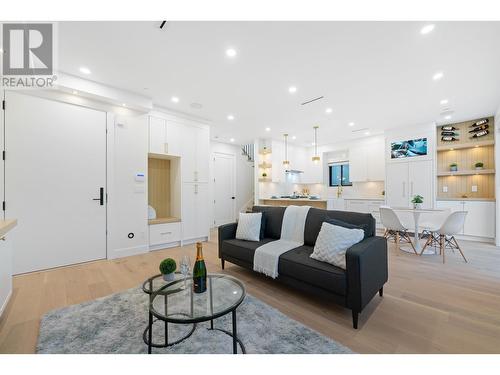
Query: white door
point(224, 189)
point(396, 185)
point(202, 210)
point(188, 160)
point(157, 136)
point(189, 229)
point(202, 154)
point(55, 169)
point(420, 178)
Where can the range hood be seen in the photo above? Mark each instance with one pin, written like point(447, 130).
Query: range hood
point(293, 171)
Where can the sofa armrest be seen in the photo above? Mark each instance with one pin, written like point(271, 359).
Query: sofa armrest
point(366, 271)
point(226, 232)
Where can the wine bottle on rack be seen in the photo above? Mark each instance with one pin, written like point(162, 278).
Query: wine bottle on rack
point(448, 138)
point(479, 128)
point(449, 133)
point(480, 122)
point(482, 133)
point(199, 271)
point(448, 128)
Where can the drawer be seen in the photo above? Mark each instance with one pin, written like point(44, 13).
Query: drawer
point(164, 233)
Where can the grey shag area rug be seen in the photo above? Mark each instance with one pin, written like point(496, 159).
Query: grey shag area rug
point(115, 324)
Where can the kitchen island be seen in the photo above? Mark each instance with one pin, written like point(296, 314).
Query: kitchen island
point(317, 203)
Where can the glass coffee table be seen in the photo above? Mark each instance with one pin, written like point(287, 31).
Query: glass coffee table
point(176, 303)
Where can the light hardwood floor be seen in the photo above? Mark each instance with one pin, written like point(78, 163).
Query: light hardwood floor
point(427, 307)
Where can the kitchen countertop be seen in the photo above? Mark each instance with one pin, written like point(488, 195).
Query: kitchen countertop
point(363, 198)
point(6, 226)
point(467, 199)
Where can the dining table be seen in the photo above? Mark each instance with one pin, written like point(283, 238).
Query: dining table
point(416, 218)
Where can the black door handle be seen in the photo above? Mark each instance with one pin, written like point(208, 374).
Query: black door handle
point(101, 197)
point(233, 197)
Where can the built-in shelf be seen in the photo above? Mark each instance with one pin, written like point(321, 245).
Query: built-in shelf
point(265, 165)
point(266, 179)
point(163, 220)
point(459, 146)
point(466, 172)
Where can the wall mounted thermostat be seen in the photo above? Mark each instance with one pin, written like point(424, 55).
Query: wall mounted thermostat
point(139, 177)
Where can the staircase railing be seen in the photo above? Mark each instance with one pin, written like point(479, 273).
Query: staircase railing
point(247, 150)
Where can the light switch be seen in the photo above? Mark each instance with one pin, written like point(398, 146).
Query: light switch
point(445, 189)
point(474, 188)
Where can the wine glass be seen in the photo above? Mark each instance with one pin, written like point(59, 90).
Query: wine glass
point(185, 266)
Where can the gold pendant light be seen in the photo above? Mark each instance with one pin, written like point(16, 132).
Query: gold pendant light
point(316, 159)
point(286, 162)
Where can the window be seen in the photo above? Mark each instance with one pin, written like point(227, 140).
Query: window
point(339, 174)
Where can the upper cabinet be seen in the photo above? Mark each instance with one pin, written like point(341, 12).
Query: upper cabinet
point(367, 161)
point(165, 136)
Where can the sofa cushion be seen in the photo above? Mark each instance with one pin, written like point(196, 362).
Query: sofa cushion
point(340, 223)
point(249, 226)
point(242, 250)
point(316, 216)
point(298, 264)
point(274, 220)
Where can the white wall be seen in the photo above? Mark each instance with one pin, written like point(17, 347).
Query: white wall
point(244, 173)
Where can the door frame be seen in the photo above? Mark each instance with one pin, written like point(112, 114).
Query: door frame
point(233, 157)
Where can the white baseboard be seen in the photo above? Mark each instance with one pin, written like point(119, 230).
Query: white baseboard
point(164, 246)
point(194, 240)
point(128, 251)
point(5, 303)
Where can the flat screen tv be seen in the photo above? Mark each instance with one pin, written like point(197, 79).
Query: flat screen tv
point(408, 149)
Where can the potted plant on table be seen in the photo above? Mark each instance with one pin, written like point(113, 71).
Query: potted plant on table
point(453, 167)
point(167, 269)
point(417, 202)
point(479, 165)
point(264, 175)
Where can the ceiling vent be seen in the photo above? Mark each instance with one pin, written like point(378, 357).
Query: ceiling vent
point(312, 100)
point(359, 130)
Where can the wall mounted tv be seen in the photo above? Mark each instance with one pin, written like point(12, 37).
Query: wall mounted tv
point(408, 149)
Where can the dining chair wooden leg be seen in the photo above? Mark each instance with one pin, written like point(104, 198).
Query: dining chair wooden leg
point(441, 245)
point(397, 243)
point(408, 238)
point(459, 249)
point(429, 240)
point(385, 234)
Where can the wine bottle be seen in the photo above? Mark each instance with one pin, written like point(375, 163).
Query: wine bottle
point(480, 122)
point(482, 133)
point(448, 139)
point(479, 128)
point(199, 271)
point(448, 128)
point(449, 133)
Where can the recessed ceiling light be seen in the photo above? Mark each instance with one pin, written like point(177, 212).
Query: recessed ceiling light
point(230, 117)
point(292, 89)
point(85, 70)
point(1, 50)
point(367, 133)
point(75, 92)
point(351, 124)
point(447, 117)
point(294, 137)
point(175, 99)
point(268, 129)
point(124, 105)
point(231, 52)
point(328, 110)
point(443, 101)
point(437, 76)
point(196, 105)
point(231, 140)
point(427, 29)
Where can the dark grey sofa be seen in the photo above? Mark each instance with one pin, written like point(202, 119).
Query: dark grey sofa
point(366, 262)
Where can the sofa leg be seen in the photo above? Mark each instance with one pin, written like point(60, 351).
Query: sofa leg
point(355, 319)
point(381, 292)
point(222, 263)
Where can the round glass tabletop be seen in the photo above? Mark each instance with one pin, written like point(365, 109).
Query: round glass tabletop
point(155, 283)
point(176, 302)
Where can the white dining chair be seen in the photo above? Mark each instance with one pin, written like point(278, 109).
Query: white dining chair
point(394, 229)
point(453, 225)
point(431, 222)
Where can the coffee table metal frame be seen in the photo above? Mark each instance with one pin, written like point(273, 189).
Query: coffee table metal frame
point(155, 316)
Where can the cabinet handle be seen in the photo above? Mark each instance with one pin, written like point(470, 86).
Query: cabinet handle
point(196, 175)
point(404, 189)
point(411, 188)
point(196, 189)
point(163, 233)
point(165, 146)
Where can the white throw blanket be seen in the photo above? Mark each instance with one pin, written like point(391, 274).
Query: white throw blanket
point(292, 235)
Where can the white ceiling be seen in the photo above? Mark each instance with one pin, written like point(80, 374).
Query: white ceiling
point(376, 74)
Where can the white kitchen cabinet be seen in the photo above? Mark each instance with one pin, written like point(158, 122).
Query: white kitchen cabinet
point(366, 206)
point(367, 161)
point(5, 272)
point(157, 135)
point(407, 179)
point(480, 219)
point(162, 234)
point(195, 155)
point(195, 211)
point(174, 138)
point(337, 204)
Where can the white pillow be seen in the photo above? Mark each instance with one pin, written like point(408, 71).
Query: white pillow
point(333, 242)
point(249, 226)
